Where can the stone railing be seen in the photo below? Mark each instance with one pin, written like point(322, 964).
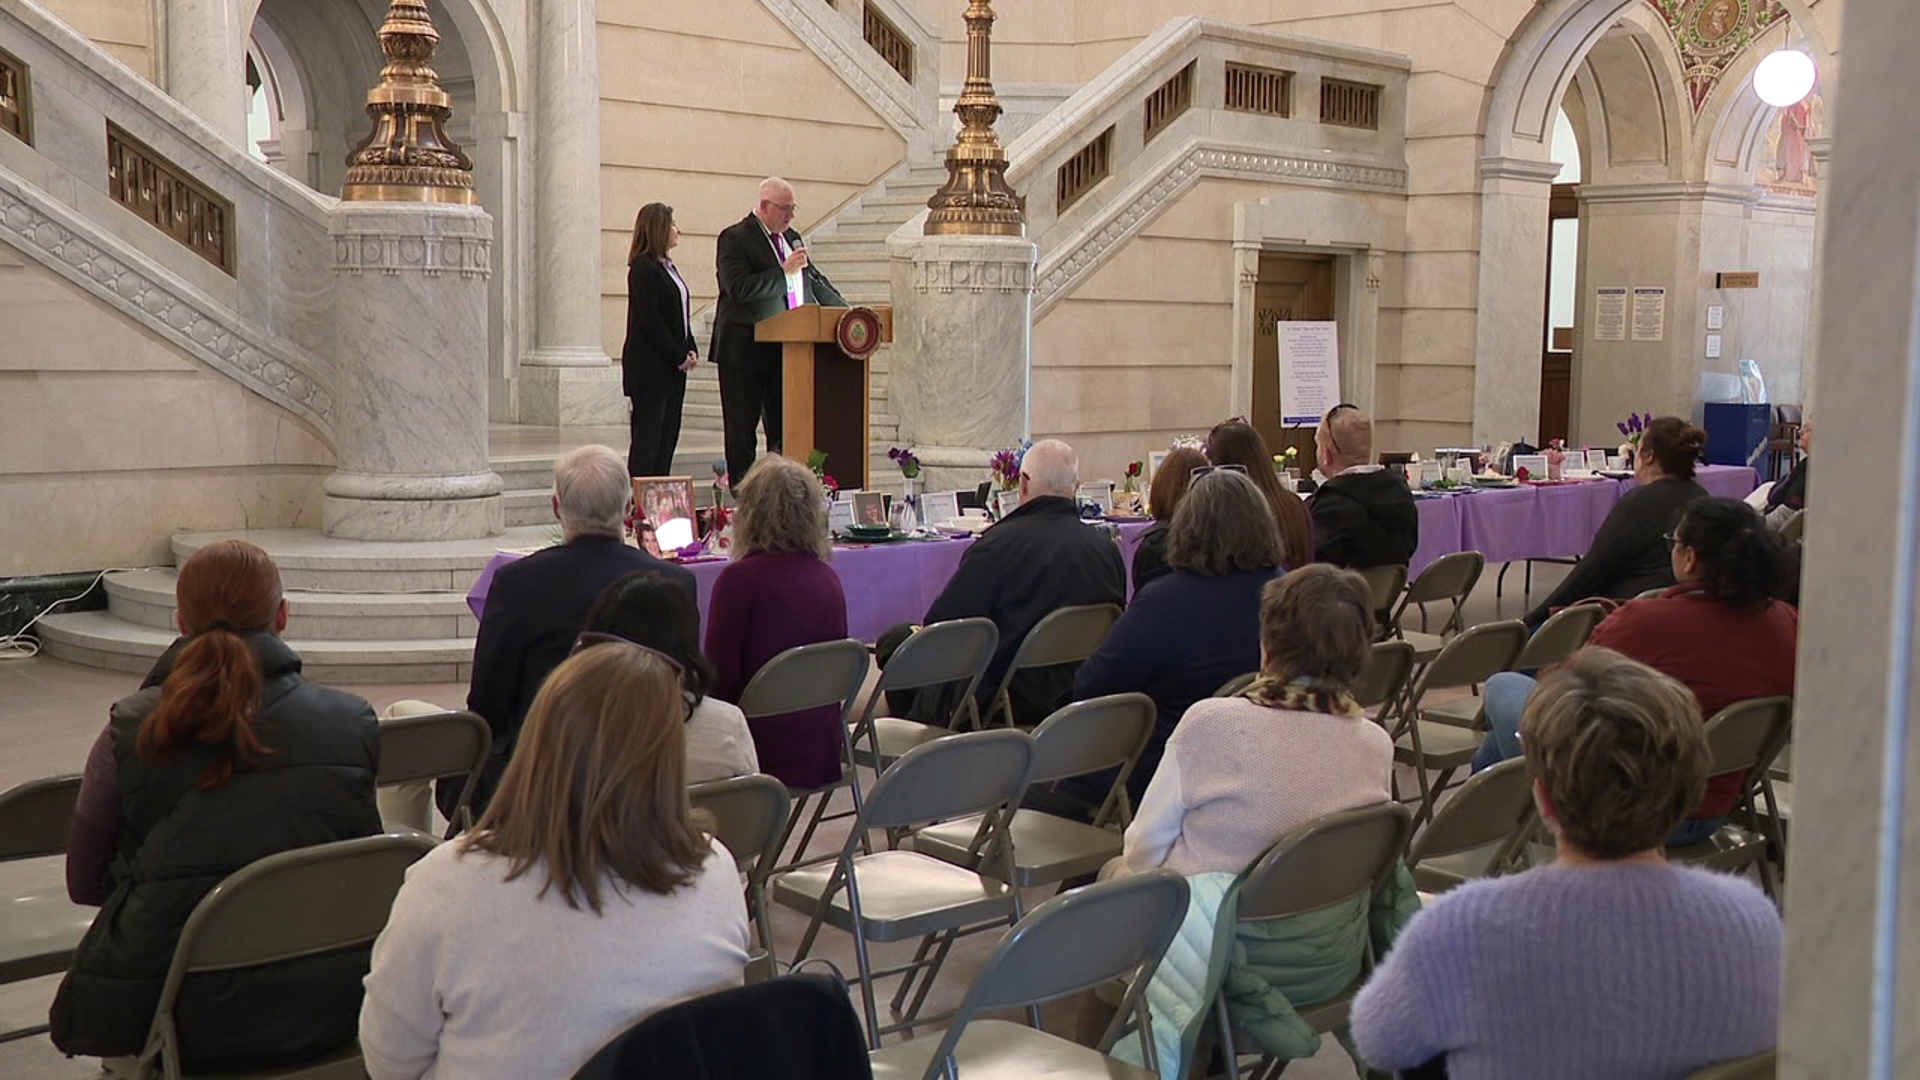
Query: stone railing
point(886, 51)
point(231, 263)
point(1201, 98)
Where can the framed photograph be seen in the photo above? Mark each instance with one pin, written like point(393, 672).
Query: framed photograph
point(870, 508)
point(1154, 461)
point(1596, 460)
point(1100, 494)
point(938, 508)
point(666, 503)
point(1535, 464)
point(839, 517)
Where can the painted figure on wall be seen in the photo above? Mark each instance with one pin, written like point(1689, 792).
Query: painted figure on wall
point(1787, 166)
point(1716, 20)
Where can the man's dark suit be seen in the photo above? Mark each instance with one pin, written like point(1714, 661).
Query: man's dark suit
point(752, 288)
point(535, 609)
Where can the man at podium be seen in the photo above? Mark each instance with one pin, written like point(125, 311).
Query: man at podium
point(763, 270)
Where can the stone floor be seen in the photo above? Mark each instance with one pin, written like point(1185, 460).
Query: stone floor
point(50, 713)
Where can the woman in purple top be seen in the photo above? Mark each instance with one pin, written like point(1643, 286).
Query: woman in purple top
point(1610, 963)
point(779, 593)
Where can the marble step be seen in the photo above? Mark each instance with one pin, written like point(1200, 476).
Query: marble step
point(145, 598)
point(898, 199)
point(529, 506)
point(523, 471)
point(310, 561)
point(865, 226)
point(847, 250)
point(101, 640)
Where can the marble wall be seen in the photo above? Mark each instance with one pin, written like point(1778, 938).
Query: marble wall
point(124, 28)
point(112, 439)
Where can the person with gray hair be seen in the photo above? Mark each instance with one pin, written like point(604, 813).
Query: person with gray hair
point(1036, 560)
point(536, 606)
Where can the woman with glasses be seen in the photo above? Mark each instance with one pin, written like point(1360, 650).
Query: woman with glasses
point(779, 593)
point(587, 896)
point(1169, 486)
point(1628, 555)
point(1194, 629)
point(1719, 631)
point(649, 610)
point(1235, 442)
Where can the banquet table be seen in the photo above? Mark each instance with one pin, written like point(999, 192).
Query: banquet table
point(886, 584)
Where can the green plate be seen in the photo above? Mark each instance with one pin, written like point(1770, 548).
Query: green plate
point(871, 538)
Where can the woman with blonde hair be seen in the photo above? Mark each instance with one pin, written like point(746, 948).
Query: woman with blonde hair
point(779, 593)
point(586, 897)
point(659, 349)
point(1610, 963)
point(227, 757)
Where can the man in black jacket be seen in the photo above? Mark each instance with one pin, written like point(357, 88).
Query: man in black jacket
point(536, 606)
point(1037, 560)
point(763, 271)
point(1363, 514)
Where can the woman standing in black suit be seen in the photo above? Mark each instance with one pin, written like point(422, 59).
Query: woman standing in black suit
point(659, 350)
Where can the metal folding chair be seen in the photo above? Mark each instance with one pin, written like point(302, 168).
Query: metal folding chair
point(902, 895)
point(749, 816)
point(41, 929)
point(1114, 930)
point(1481, 832)
point(938, 655)
point(1386, 583)
point(1745, 737)
point(284, 907)
point(1450, 580)
point(1383, 681)
point(1066, 636)
point(1757, 1067)
point(1471, 657)
point(1554, 643)
point(810, 677)
point(436, 746)
point(1336, 860)
point(1236, 684)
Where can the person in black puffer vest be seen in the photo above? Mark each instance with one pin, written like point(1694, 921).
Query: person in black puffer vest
point(231, 758)
point(1363, 514)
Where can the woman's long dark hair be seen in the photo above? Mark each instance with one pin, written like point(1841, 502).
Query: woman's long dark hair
point(647, 609)
point(1235, 442)
point(1742, 562)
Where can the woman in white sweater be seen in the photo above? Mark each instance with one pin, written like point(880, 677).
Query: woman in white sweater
point(1242, 772)
point(585, 898)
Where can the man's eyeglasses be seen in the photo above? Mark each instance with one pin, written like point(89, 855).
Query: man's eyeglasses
point(1202, 470)
point(787, 207)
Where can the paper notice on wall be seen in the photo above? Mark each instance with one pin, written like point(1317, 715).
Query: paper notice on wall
point(1610, 313)
point(1309, 371)
point(1649, 313)
point(1713, 346)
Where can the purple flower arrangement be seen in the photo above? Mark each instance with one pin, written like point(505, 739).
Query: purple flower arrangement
point(1006, 469)
point(1634, 426)
point(905, 458)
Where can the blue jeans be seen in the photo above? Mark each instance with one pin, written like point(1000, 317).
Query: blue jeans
point(1503, 699)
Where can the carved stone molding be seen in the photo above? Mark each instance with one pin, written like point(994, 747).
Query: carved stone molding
point(892, 97)
point(1071, 262)
point(132, 284)
point(380, 253)
point(972, 276)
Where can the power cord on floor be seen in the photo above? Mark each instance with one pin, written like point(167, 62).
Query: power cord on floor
point(22, 645)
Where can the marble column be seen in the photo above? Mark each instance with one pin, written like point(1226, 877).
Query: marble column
point(1822, 151)
point(1514, 194)
point(962, 349)
point(1852, 983)
point(410, 290)
point(206, 58)
point(566, 378)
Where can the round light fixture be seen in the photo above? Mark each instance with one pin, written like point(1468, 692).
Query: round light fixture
point(1784, 78)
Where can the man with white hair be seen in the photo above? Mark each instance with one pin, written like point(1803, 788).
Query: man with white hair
point(537, 605)
point(763, 270)
point(1035, 561)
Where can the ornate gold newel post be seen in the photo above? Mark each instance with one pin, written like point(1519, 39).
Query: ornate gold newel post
point(407, 157)
point(976, 199)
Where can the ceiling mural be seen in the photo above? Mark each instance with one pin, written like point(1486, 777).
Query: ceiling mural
point(1711, 33)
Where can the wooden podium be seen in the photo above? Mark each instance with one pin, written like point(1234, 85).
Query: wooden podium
point(826, 401)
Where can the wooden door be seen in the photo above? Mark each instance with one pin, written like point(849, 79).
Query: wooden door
point(1290, 288)
point(1556, 356)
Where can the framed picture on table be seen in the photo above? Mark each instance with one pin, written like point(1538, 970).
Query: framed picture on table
point(1154, 460)
point(870, 508)
point(939, 507)
point(666, 504)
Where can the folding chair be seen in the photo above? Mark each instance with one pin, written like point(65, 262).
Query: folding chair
point(938, 655)
point(1386, 583)
point(1481, 832)
point(1383, 681)
point(1793, 531)
point(1757, 1067)
point(1115, 930)
point(900, 895)
point(749, 816)
point(1336, 860)
point(1557, 639)
point(1471, 657)
point(1450, 580)
point(436, 746)
point(284, 907)
point(1066, 636)
point(1236, 684)
point(810, 677)
point(1745, 737)
point(41, 929)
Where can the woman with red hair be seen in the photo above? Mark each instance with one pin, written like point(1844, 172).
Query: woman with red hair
point(231, 757)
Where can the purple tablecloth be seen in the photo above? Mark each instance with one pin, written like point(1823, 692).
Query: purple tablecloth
point(886, 584)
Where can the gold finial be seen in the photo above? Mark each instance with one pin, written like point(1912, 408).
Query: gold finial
point(407, 157)
point(976, 200)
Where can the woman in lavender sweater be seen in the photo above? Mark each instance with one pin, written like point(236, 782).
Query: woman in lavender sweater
point(1609, 964)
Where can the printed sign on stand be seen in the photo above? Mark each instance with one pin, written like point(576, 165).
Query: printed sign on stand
point(1309, 371)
